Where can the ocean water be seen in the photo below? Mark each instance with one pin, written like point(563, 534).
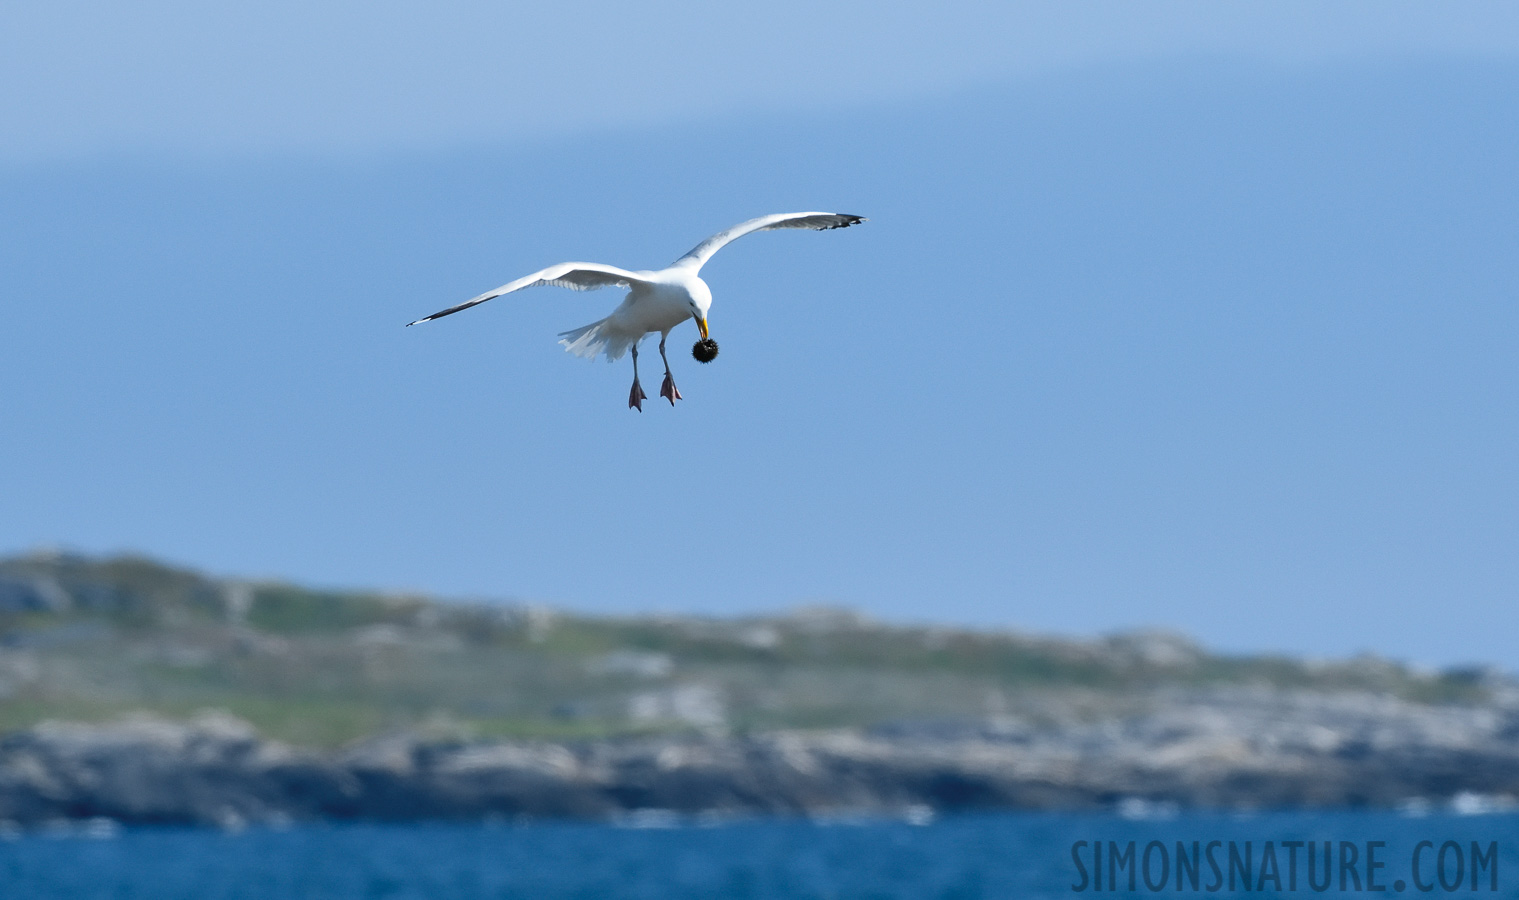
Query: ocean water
point(968, 856)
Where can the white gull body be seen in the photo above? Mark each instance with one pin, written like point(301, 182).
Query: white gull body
point(657, 301)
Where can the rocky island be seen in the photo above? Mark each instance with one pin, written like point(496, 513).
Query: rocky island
point(140, 693)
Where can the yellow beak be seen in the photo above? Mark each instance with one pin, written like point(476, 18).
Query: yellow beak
point(702, 324)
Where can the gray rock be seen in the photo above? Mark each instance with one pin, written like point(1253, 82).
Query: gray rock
point(1222, 748)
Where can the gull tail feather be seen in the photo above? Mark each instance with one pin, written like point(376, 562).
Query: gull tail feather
point(589, 340)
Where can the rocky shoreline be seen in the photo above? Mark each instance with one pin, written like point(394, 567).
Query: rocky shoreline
point(1229, 748)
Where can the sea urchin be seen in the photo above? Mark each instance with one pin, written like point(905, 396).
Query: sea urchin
point(704, 350)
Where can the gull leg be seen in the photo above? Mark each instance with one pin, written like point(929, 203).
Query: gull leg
point(667, 390)
point(636, 396)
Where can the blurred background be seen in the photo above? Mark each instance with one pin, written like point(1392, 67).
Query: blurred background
point(1180, 315)
point(1173, 373)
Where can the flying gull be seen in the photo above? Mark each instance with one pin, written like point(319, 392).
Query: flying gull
point(656, 301)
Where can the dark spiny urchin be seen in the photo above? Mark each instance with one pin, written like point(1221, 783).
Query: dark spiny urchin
point(704, 350)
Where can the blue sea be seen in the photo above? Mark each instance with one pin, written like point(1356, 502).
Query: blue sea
point(661, 858)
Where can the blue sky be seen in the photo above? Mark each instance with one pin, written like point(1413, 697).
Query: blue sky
point(1165, 315)
point(83, 78)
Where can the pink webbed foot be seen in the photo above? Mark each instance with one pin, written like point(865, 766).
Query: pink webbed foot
point(636, 396)
point(669, 391)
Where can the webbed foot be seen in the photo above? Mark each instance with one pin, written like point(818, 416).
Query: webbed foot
point(669, 391)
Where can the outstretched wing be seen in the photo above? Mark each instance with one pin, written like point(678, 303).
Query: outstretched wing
point(577, 276)
point(818, 221)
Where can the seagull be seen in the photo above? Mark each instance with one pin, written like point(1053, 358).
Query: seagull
point(656, 301)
